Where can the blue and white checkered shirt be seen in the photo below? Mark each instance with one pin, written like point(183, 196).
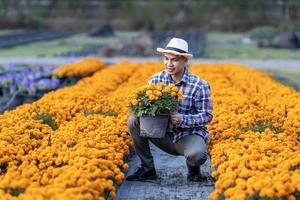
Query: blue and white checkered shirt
point(196, 106)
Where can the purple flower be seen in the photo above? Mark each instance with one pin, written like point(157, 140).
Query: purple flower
point(8, 79)
point(44, 84)
point(55, 83)
point(13, 89)
point(28, 78)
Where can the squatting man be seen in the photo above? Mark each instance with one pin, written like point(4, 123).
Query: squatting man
point(187, 134)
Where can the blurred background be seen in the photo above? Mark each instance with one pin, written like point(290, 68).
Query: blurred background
point(214, 28)
point(259, 33)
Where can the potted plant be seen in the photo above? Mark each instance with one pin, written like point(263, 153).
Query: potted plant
point(153, 104)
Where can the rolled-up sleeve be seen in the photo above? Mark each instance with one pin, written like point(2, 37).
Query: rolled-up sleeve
point(203, 107)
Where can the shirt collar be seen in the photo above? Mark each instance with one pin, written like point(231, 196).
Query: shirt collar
point(185, 77)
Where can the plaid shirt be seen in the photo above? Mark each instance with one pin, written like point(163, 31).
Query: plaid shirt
point(196, 106)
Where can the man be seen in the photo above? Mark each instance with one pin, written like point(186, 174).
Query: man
point(187, 135)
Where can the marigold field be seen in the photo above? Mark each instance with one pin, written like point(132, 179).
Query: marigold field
point(71, 144)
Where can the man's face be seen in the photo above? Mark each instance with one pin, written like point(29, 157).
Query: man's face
point(174, 64)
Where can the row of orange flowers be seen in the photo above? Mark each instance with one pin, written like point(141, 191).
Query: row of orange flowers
point(254, 136)
point(255, 143)
point(83, 157)
point(83, 67)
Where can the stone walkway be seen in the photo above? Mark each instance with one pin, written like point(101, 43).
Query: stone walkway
point(171, 184)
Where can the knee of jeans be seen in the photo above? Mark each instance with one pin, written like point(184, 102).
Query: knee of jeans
point(132, 121)
point(198, 158)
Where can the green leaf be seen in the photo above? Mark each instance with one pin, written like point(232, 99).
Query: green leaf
point(46, 119)
point(15, 191)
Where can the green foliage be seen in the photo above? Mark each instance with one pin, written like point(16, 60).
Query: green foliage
point(297, 195)
point(106, 113)
point(229, 45)
point(72, 144)
point(106, 193)
point(263, 32)
point(33, 137)
point(3, 167)
point(260, 126)
point(32, 21)
point(164, 105)
point(58, 166)
point(46, 119)
point(15, 191)
point(19, 162)
point(221, 197)
point(49, 141)
point(294, 168)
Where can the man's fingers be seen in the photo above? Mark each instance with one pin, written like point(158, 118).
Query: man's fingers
point(173, 120)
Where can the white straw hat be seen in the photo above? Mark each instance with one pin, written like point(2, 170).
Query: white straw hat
point(176, 46)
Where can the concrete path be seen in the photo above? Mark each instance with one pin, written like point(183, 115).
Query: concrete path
point(171, 184)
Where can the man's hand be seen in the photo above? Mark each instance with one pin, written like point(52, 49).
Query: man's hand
point(176, 118)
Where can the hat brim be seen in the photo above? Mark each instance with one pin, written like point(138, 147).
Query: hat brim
point(161, 50)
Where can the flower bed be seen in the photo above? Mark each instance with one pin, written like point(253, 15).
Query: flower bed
point(15, 78)
point(71, 143)
point(87, 143)
point(255, 144)
point(25, 84)
point(84, 67)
